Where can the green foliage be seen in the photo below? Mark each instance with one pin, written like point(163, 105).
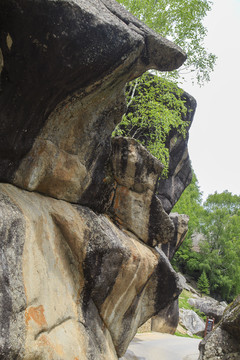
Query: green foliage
point(203, 283)
point(218, 219)
point(183, 304)
point(154, 107)
point(186, 335)
point(221, 229)
point(181, 21)
point(190, 204)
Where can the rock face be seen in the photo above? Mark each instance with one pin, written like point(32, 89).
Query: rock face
point(135, 203)
point(76, 286)
point(223, 342)
point(180, 172)
point(166, 321)
point(209, 307)
point(79, 216)
point(64, 69)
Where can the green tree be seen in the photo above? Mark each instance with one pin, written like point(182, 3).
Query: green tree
point(154, 107)
point(219, 256)
point(221, 228)
point(203, 284)
point(181, 21)
point(190, 203)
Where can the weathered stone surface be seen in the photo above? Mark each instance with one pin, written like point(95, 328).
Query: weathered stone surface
point(223, 342)
point(192, 322)
point(209, 307)
point(79, 272)
point(166, 321)
point(180, 222)
point(219, 345)
point(180, 172)
point(85, 285)
point(64, 68)
point(135, 204)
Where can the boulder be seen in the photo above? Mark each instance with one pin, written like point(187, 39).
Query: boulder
point(223, 342)
point(192, 322)
point(209, 306)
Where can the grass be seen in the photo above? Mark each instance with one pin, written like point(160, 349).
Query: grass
point(183, 303)
point(186, 335)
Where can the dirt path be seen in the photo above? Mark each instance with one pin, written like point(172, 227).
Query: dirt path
point(157, 346)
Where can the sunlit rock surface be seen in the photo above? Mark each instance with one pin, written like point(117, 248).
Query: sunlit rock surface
point(77, 276)
point(135, 204)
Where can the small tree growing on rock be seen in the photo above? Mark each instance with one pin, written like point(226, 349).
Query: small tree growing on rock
point(203, 283)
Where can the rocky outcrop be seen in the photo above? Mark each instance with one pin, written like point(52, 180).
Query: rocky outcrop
point(223, 342)
point(209, 307)
point(180, 171)
point(79, 216)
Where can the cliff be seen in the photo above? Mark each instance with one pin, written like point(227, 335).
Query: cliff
point(79, 214)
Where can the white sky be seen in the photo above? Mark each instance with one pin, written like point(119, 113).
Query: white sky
point(215, 134)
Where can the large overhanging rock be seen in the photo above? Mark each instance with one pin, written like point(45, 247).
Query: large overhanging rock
point(64, 65)
point(77, 277)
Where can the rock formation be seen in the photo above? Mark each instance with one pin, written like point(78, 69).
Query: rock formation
point(79, 216)
point(192, 322)
point(166, 321)
point(223, 342)
point(180, 172)
point(209, 307)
